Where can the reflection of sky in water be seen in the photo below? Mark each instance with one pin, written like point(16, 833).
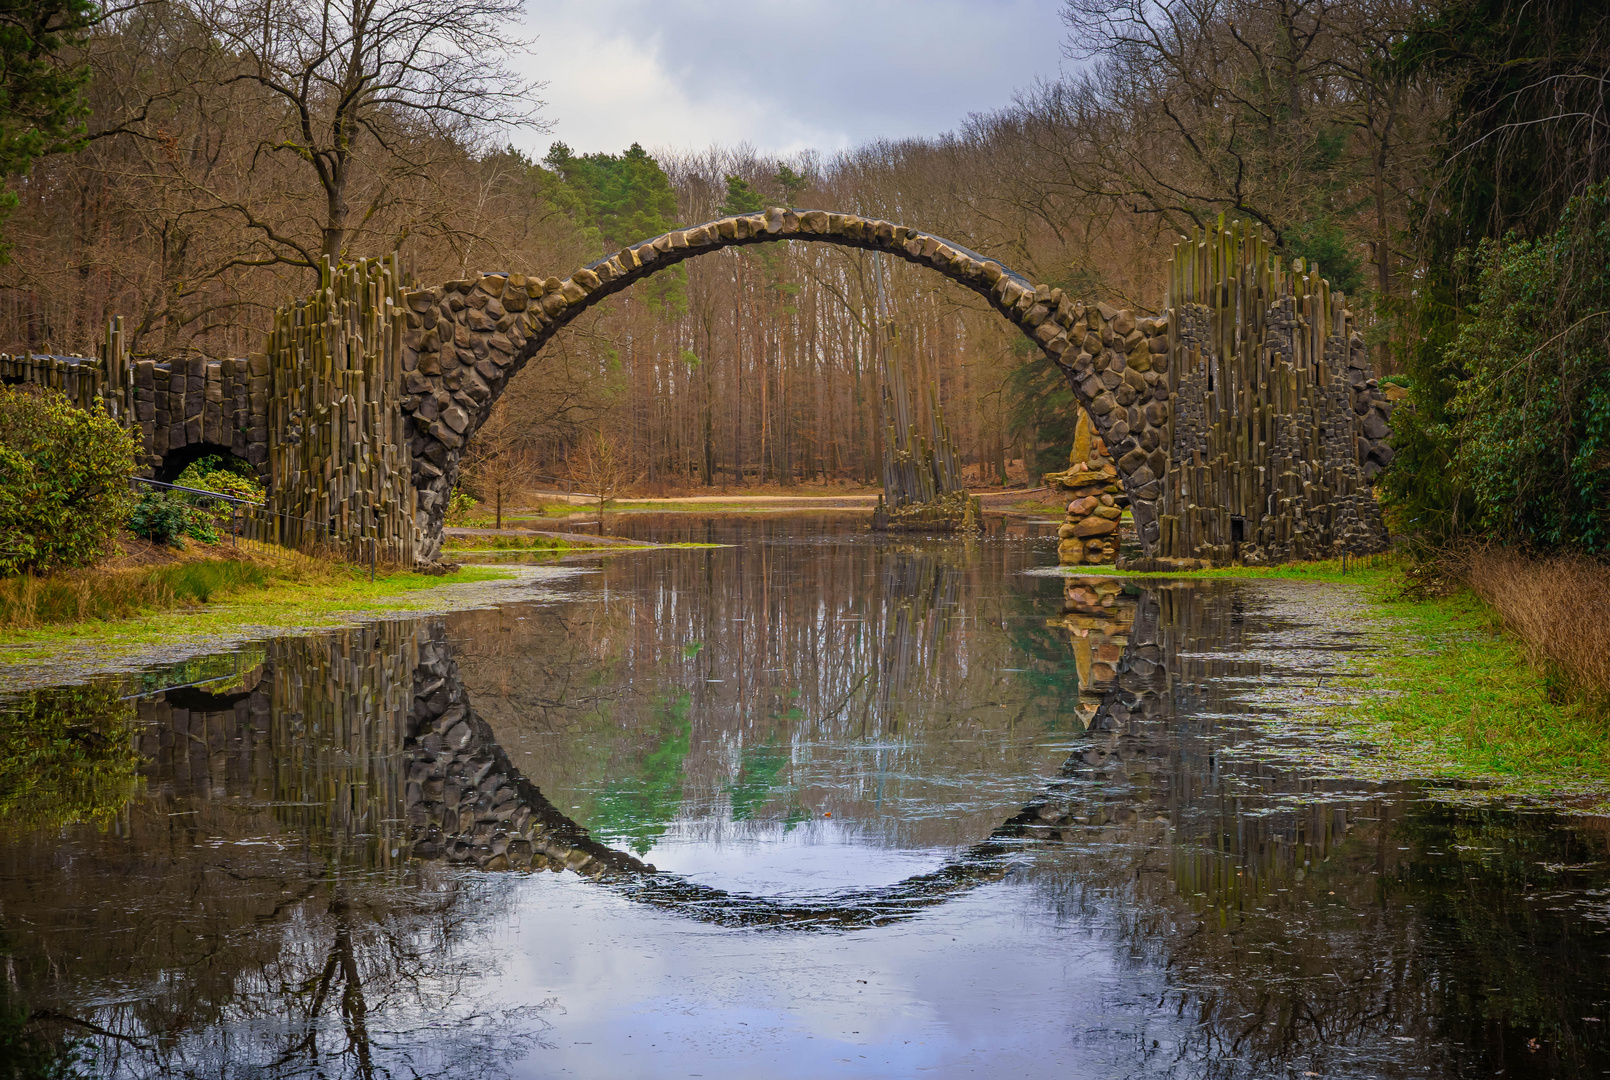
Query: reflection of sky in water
point(776, 860)
point(980, 987)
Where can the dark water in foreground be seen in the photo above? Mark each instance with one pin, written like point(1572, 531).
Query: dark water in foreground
point(913, 812)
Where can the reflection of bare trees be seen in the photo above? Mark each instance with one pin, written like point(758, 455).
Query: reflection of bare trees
point(1303, 919)
point(390, 994)
point(782, 658)
point(254, 910)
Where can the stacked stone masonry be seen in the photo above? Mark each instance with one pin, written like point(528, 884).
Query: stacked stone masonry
point(1245, 410)
point(178, 405)
point(1096, 500)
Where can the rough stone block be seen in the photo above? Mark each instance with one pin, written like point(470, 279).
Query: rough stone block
point(1131, 461)
point(445, 436)
point(456, 418)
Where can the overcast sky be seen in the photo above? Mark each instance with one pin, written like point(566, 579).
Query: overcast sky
point(782, 75)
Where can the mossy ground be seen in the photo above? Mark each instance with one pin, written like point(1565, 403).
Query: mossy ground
point(1378, 570)
point(509, 543)
point(541, 545)
point(543, 517)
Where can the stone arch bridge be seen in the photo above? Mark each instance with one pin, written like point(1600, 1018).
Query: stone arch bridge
point(1242, 419)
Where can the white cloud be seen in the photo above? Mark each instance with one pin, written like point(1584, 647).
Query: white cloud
point(782, 76)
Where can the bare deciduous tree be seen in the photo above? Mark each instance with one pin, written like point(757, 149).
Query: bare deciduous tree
point(387, 79)
point(599, 465)
point(499, 462)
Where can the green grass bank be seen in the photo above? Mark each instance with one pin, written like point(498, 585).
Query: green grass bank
point(1464, 700)
point(121, 608)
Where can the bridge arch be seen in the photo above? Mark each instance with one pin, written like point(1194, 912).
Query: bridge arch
point(467, 339)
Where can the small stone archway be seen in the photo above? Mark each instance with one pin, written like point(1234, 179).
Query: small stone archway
point(466, 339)
point(180, 458)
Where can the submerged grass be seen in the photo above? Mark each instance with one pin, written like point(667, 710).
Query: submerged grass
point(542, 544)
point(512, 543)
point(1495, 682)
point(546, 513)
point(1461, 700)
point(1367, 569)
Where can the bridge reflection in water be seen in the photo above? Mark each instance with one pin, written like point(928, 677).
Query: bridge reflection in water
point(1305, 920)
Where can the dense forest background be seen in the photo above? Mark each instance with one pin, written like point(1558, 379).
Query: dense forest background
point(186, 165)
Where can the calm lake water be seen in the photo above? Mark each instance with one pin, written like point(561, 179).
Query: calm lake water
point(913, 808)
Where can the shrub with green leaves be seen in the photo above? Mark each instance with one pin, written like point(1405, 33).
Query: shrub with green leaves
point(459, 505)
point(226, 476)
point(1533, 408)
point(166, 517)
point(1507, 433)
point(64, 490)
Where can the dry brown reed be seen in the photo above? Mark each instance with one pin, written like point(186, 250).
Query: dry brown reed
point(1559, 608)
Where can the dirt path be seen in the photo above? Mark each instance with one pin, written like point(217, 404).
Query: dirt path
point(585, 539)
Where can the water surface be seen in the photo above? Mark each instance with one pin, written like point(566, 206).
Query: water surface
point(811, 804)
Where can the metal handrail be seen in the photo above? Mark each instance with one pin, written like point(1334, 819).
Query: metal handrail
point(199, 491)
point(263, 506)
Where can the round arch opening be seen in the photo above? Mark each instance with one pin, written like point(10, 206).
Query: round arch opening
point(472, 336)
